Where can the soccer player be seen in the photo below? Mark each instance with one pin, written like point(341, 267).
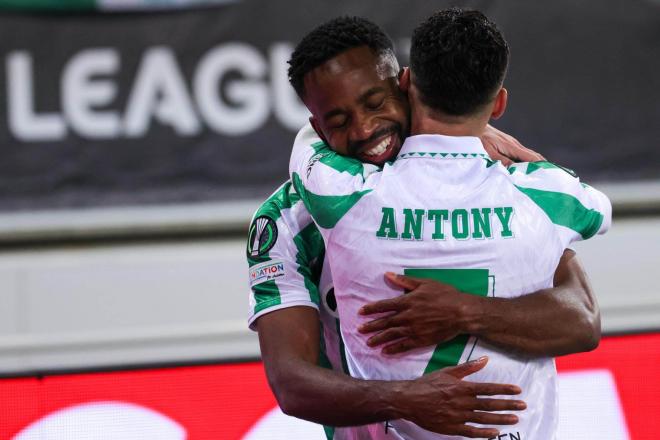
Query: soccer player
point(290, 280)
point(289, 347)
point(442, 210)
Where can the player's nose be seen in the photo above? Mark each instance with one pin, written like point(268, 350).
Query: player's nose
point(363, 128)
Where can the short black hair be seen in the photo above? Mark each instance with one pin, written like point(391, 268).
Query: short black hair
point(458, 59)
point(329, 40)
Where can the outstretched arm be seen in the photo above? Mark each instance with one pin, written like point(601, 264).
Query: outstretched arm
point(440, 401)
point(551, 322)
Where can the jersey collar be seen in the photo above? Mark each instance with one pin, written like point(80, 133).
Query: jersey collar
point(440, 146)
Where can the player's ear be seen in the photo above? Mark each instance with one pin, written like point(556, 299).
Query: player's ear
point(404, 79)
point(500, 103)
point(317, 128)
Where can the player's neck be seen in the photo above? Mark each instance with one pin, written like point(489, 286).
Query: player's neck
point(426, 121)
point(430, 126)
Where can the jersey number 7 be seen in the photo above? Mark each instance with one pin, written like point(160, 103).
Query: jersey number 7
point(474, 281)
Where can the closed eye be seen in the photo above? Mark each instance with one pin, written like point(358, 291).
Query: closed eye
point(337, 122)
point(375, 102)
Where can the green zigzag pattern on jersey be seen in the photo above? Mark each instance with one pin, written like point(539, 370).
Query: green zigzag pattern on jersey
point(326, 210)
point(535, 166)
point(566, 210)
point(338, 162)
point(284, 198)
point(532, 167)
point(267, 294)
point(309, 258)
point(440, 155)
point(490, 162)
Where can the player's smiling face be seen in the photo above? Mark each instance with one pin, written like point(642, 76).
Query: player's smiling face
point(357, 106)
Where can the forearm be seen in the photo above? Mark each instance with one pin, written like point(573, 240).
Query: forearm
point(309, 392)
point(289, 340)
point(557, 326)
point(551, 322)
point(439, 401)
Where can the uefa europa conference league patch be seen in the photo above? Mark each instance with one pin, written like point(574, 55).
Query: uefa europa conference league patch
point(262, 236)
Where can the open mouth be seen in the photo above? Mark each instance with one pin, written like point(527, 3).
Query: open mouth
point(381, 150)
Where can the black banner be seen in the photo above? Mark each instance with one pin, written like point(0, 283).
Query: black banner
point(194, 105)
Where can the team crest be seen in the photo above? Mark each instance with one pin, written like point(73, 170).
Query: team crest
point(262, 236)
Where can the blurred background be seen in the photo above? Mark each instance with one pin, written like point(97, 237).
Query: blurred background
point(138, 136)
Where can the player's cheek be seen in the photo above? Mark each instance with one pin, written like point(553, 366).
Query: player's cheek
point(398, 114)
point(339, 144)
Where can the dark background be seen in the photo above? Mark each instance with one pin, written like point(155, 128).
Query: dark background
point(584, 90)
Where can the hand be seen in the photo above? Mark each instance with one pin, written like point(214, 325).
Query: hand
point(430, 314)
point(442, 402)
point(505, 148)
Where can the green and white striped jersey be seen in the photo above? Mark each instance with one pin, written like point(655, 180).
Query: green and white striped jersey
point(444, 210)
point(285, 253)
point(287, 268)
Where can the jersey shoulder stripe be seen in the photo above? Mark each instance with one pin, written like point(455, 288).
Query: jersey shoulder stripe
point(534, 166)
point(566, 210)
point(326, 210)
point(285, 197)
point(323, 171)
point(567, 202)
point(287, 271)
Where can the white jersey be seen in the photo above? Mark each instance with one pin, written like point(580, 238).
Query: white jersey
point(444, 210)
point(288, 268)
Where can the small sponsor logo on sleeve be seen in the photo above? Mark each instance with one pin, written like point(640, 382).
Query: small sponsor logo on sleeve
point(312, 161)
point(265, 272)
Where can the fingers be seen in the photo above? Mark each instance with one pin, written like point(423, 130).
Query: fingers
point(379, 324)
point(485, 418)
point(533, 155)
point(527, 155)
point(493, 389)
point(402, 281)
point(520, 153)
point(506, 161)
point(475, 414)
point(506, 148)
point(401, 346)
point(493, 150)
point(389, 335)
point(474, 432)
point(487, 404)
point(467, 368)
point(386, 305)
